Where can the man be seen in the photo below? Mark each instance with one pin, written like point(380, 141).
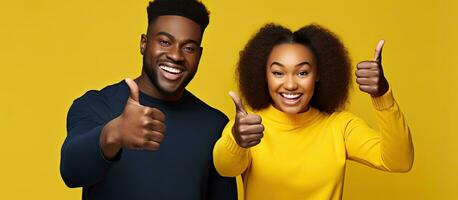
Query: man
point(150, 138)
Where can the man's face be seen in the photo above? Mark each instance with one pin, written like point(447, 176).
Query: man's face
point(171, 53)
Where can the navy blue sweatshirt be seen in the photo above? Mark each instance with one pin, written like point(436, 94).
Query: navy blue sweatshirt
point(181, 169)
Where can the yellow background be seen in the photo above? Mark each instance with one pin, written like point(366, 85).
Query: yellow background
point(52, 51)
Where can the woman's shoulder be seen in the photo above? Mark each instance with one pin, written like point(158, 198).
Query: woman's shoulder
point(343, 116)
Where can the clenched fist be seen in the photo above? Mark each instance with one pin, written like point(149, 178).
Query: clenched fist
point(247, 129)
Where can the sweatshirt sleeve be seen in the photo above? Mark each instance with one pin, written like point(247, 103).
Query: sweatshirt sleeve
point(390, 148)
point(82, 162)
point(229, 158)
point(221, 188)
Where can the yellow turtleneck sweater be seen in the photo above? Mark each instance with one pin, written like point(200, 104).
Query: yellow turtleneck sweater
point(303, 156)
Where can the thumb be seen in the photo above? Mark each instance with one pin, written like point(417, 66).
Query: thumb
point(378, 51)
point(133, 89)
point(238, 103)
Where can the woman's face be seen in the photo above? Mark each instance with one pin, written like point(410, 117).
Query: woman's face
point(291, 76)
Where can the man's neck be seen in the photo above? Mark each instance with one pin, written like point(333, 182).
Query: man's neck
point(146, 86)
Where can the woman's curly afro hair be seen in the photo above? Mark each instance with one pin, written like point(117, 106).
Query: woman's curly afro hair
point(333, 63)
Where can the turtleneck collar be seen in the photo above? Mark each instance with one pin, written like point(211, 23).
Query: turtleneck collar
point(273, 114)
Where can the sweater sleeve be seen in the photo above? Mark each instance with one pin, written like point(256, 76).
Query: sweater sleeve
point(229, 158)
point(221, 188)
point(390, 148)
point(82, 162)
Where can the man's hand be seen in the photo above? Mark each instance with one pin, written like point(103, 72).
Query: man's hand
point(138, 127)
point(247, 129)
point(369, 74)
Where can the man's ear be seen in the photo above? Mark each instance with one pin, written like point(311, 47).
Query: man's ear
point(201, 51)
point(143, 41)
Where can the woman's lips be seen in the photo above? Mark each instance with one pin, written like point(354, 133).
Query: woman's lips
point(290, 99)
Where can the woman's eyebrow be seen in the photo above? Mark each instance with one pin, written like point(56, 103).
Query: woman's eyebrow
point(303, 63)
point(298, 65)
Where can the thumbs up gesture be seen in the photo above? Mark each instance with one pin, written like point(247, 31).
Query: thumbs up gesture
point(247, 129)
point(369, 74)
point(138, 127)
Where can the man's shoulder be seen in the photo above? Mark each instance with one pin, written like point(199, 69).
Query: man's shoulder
point(114, 92)
point(104, 102)
point(98, 105)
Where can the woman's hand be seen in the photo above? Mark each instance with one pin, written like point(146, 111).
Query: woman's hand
point(369, 74)
point(247, 129)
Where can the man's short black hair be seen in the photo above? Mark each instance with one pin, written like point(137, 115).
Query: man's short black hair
point(191, 9)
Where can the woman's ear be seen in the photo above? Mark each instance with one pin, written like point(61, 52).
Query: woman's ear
point(317, 76)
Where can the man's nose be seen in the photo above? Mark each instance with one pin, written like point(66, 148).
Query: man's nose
point(175, 54)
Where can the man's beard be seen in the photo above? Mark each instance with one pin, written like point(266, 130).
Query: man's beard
point(152, 73)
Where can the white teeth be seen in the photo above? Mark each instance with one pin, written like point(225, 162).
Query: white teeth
point(290, 96)
point(170, 69)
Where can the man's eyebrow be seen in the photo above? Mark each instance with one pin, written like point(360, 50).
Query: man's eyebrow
point(173, 38)
point(298, 65)
point(191, 41)
point(166, 34)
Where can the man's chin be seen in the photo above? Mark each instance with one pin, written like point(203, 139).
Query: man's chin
point(173, 89)
point(167, 88)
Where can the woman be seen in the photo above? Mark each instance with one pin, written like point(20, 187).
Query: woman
point(296, 144)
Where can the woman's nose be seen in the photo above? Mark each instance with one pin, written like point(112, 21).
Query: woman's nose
point(290, 83)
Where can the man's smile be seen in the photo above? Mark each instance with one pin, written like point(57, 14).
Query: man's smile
point(170, 71)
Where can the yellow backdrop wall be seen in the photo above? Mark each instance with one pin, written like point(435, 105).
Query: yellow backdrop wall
point(52, 51)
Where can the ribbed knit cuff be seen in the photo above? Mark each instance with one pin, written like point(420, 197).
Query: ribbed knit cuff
point(232, 146)
point(385, 101)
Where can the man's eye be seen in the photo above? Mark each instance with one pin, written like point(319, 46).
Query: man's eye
point(164, 43)
point(190, 49)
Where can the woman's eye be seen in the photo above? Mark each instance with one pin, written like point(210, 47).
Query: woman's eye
point(303, 73)
point(277, 74)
